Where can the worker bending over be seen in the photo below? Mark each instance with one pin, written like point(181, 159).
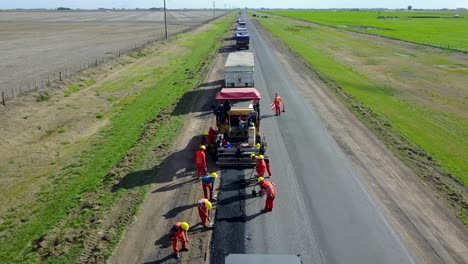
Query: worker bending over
point(208, 184)
point(204, 210)
point(267, 187)
point(179, 232)
point(200, 160)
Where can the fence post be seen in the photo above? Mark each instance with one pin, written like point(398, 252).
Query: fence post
point(21, 90)
point(60, 76)
point(3, 98)
point(12, 93)
point(95, 65)
point(119, 53)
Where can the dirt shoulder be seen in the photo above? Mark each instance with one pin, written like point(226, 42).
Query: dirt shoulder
point(425, 224)
point(173, 198)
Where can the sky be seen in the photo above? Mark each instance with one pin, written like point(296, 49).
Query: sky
point(94, 4)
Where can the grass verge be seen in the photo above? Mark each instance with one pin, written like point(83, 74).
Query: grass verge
point(431, 141)
point(80, 216)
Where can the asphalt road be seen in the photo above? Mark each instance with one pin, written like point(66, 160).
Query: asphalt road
point(322, 211)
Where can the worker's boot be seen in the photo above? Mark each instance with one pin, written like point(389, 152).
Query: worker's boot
point(176, 257)
point(184, 249)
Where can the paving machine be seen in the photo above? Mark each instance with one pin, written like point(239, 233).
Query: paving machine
point(238, 128)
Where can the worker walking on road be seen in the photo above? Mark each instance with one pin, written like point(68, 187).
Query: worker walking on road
point(267, 188)
point(200, 160)
point(277, 101)
point(204, 210)
point(179, 232)
point(208, 184)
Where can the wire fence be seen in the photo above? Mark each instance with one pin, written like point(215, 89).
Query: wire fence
point(58, 77)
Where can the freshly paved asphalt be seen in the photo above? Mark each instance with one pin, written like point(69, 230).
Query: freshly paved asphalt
point(322, 211)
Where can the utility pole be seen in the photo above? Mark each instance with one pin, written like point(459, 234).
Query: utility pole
point(214, 9)
point(165, 18)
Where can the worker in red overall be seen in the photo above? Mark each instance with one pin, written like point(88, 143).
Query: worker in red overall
point(211, 136)
point(208, 184)
point(267, 163)
point(261, 166)
point(277, 101)
point(204, 210)
point(200, 160)
point(179, 232)
point(267, 188)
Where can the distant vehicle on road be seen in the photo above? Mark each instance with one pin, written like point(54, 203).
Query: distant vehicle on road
point(242, 39)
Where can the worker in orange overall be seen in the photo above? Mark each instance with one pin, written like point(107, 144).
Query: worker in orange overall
point(204, 210)
point(261, 166)
point(179, 232)
point(267, 187)
point(208, 184)
point(211, 136)
point(200, 160)
point(277, 101)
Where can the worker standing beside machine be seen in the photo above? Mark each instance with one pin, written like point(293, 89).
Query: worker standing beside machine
point(269, 189)
point(200, 161)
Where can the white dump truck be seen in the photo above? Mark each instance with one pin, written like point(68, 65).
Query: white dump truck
point(239, 70)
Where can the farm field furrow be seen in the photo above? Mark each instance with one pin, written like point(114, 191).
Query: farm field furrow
point(36, 46)
point(438, 29)
point(417, 92)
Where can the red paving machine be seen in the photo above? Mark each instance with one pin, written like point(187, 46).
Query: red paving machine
point(238, 125)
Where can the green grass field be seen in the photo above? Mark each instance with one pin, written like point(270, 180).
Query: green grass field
point(404, 87)
point(444, 32)
point(162, 89)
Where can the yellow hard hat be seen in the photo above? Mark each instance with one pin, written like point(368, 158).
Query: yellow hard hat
point(185, 226)
point(252, 155)
point(258, 145)
point(213, 175)
point(208, 205)
point(203, 147)
point(260, 157)
point(206, 133)
point(259, 179)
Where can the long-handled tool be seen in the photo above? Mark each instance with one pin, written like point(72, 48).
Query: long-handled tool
point(254, 192)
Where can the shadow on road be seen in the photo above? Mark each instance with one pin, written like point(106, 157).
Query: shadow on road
point(180, 162)
point(227, 49)
point(175, 211)
point(183, 106)
point(239, 219)
point(164, 260)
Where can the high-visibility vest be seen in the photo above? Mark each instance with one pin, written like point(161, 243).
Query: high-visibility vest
point(269, 189)
point(200, 157)
point(277, 100)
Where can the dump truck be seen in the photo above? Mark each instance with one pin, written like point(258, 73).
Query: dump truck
point(238, 131)
point(239, 69)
